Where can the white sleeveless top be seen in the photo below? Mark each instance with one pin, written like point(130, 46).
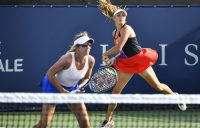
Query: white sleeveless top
point(69, 77)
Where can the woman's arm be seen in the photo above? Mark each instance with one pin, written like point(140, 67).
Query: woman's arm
point(125, 33)
point(111, 61)
point(63, 62)
point(89, 72)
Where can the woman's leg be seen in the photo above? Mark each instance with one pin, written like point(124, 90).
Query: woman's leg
point(123, 79)
point(47, 115)
point(81, 114)
point(151, 78)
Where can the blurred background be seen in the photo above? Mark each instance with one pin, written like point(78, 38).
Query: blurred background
point(82, 2)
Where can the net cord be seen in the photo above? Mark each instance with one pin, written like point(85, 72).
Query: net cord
point(99, 98)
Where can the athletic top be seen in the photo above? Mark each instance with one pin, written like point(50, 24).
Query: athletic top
point(69, 77)
point(131, 46)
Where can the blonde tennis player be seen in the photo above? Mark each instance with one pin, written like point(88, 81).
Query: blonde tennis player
point(63, 77)
point(130, 58)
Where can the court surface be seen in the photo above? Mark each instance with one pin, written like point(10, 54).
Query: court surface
point(123, 119)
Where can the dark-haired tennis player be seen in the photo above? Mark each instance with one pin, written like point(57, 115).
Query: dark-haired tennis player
point(63, 77)
point(130, 59)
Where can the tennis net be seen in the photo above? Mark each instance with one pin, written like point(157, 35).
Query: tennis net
point(23, 110)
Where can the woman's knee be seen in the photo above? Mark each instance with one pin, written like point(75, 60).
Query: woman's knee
point(84, 123)
point(83, 119)
point(81, 111)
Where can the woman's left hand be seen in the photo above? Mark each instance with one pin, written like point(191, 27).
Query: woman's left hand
point(105, 58)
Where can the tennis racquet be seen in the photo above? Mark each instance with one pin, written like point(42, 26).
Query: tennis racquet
point(103, 79)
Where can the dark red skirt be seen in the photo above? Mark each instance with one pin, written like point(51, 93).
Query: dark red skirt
point(137, 63)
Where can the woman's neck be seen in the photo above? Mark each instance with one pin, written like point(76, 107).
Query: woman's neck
point(79, 57)
point(119, 26)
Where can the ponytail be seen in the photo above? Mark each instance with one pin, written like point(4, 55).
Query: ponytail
point(107, 8)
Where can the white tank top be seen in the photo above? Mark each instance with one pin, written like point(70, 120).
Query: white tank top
point(69, 77)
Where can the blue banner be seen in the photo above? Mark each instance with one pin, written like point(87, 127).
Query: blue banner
point(33, 38)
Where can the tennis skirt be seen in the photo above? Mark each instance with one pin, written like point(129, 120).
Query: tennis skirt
point(137, 63)
point(48, 87)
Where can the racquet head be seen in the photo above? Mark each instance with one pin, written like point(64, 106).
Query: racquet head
point(103, 80)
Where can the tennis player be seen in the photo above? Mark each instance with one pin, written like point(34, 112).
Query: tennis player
point(63, 77)
point(130, 59)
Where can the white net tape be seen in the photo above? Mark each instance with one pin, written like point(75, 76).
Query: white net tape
point(99, 98)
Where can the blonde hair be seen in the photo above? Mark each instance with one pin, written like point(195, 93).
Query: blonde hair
point(107, 8)
point(73, 47)
point(84, 33)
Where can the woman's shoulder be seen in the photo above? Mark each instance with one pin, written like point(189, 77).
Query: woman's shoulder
point(67, 58)
point(91, 59)
point(68, 55)
point(127, 27)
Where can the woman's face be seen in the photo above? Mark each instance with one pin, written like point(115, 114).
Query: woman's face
point(85, 48)
point(120, 18)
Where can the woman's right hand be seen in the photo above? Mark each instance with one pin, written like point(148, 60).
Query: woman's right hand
point(111, 61)
point(64, 91)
